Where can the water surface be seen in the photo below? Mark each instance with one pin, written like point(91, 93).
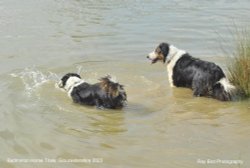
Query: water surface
point(160, 127)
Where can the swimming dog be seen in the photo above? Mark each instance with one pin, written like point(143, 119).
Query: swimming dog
point(203, 77)
point(104, 94)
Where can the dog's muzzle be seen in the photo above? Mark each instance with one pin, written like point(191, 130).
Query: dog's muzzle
point(59, 84)
point(153, 57)
point(152, 60)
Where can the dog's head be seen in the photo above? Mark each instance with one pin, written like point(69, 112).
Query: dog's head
point(160, 53)
point(69, 80)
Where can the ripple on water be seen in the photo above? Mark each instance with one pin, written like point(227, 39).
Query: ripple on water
point(7, 135)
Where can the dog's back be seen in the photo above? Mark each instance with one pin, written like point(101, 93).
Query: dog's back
point(106, 93)
point(203, 77)
point(188, 70)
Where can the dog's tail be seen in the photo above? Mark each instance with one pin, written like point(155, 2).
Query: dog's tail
point(223, 90)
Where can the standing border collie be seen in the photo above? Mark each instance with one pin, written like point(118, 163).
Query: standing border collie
point(204, 78)
point(105, 94)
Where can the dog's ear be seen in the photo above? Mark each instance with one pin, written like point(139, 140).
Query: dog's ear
point(164, 50)
point(164, 59)
point(77, 75)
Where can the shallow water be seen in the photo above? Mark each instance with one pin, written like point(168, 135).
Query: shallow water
point(160, 126)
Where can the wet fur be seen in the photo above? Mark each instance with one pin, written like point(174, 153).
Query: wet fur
point(104, 94)
point(203, 77)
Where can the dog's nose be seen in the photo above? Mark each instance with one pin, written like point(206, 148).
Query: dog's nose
point(147, 56)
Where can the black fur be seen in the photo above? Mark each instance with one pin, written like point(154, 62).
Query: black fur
point(192, 72)
point(105, 94)
point(66, 77)
point(163, 49)
point(201, 76)
point(220, 93)
point(93, 95)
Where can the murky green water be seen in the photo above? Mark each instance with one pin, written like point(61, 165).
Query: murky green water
point(161, 126)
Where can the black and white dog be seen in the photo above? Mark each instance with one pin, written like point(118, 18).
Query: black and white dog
point(204, 78)
point(105, 94)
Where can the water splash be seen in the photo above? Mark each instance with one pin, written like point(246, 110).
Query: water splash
point(33, 78)
point(79, 69)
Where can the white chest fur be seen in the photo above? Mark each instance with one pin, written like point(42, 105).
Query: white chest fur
point(174, 55)
point(71, 83)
